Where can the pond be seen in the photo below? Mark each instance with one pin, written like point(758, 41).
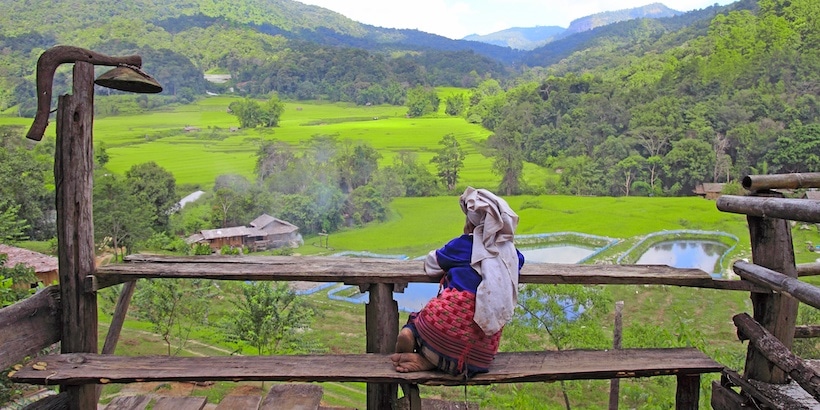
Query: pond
point(697, 254)
point(557, 254)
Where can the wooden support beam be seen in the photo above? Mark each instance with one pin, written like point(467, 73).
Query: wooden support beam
point(687, 394)
point(772, 248)
point(804, 210)
point(779, 354)
point(804, 292)
point(808, 331)
point(808, 269)
point(73, 170)
point(382, 323)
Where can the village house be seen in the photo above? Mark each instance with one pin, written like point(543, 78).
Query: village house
point(709, 190)
point(264, 232)
point(45, 266)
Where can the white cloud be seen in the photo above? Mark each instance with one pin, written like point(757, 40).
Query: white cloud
point(458, 18)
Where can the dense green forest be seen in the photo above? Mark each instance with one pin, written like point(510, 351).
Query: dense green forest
point(641, 107)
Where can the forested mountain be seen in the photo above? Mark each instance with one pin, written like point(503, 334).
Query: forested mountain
point(520, 38)
point(654, 10)
point(639, 107)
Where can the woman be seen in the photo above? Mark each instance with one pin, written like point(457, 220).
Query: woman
point(458, 331)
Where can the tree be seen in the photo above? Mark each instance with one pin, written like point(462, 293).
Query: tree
point(455, 105)
point(798, 151)
point(421, 101)
point(249, 113)
point(273, 157)
point(272, 111)
point(12, 228)
point(449, 160)
point(155, 187)
point(174, 307)
point(689, 163)
point(119, 216)
point(15, 281)
point(268, 315)
point(628, 169)
point(356, 166)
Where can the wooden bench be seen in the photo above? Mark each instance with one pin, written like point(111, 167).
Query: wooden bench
point(687, 364)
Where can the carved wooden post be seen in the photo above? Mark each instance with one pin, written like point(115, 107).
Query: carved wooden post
point(772, 248)
point(73, 172)
point(382, 325)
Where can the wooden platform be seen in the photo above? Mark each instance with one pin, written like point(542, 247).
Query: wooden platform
point(76, 369)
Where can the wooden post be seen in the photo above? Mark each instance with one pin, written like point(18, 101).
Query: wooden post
point(617, 336)
point(687, 394)
point(772, 248)
point(73, 173)
point(382, 325)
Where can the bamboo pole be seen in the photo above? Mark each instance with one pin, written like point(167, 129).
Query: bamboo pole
point(779, 282)
point(804, 210)
point(781, 181)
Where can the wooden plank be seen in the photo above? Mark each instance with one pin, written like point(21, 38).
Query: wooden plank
point(79, 368)
point(180, 403)
point(803, 210)
point(293, 397)
point(128, 403)
point(239, 403)
point(73, 171)
point(804, 292)
point(364, 271)
point(807, 331)
point(29, 326)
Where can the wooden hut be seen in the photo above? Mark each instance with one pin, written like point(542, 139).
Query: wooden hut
point(45, 266)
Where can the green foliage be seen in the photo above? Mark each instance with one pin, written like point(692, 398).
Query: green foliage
point(229, 250)
point(202, 249)
point(174, 307)
point(421, 101)
point(268, 316)
point(449, 160)
point(121, 218)
point(155, 187)
point(15, 281)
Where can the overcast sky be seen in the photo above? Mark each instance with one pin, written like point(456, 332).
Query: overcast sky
point(458, 18)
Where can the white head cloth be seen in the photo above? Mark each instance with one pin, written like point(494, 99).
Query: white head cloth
point(494, 257)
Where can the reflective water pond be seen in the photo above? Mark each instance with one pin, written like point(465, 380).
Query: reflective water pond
point(557, 254)
point(697, 254)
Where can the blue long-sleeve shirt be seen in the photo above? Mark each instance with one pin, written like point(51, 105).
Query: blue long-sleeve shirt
point(453, 260)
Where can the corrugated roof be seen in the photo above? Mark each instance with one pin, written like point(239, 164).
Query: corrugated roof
point(40, 262)
point(230, 232)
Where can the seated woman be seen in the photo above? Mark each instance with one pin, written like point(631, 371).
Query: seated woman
point(459, 330)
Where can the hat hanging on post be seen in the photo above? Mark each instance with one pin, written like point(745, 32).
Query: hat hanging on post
point(129, 78)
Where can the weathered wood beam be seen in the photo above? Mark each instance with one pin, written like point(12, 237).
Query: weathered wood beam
point(56, 402)
point(804, 292)
point(364, 271)
point(808, 269)
point(808, 331)
point(778, 353)
point(29, 326)
point(73, 174)
point(804, 210)
point(781, 181)
point(382, 325)
point(510, 367)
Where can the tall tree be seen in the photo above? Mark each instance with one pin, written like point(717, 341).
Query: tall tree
point(119, 216)
point(449, 160)
point(156, 187)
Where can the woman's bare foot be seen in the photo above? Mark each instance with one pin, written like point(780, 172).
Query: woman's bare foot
point(410, 362)
point(406, 342)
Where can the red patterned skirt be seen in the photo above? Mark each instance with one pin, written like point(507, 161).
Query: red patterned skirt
point(446, 328)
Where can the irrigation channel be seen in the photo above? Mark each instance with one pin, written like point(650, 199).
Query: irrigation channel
point(705, 250)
